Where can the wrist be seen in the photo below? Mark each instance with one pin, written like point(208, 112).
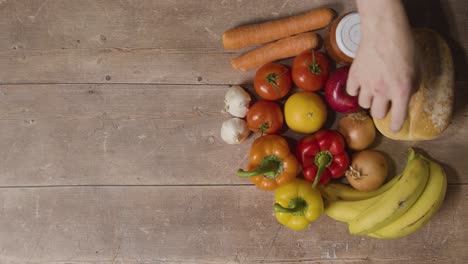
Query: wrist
point(378, 15)
point(377, 9)
point(375, 5)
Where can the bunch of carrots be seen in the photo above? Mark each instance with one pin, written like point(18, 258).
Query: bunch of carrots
point(284, 38)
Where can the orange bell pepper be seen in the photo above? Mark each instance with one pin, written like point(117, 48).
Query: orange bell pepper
point(270, 163)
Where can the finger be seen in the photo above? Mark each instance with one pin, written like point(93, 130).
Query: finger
point(352, 84)
point(365, 99)
point(379, 107)
point(399, 112)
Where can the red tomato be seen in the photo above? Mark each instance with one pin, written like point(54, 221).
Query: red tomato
point(310, 70)
point(265, 117)
point(272, 81)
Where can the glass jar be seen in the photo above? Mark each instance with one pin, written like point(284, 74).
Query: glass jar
point(343, 37)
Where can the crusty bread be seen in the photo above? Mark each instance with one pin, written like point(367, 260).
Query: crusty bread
point(430, 107)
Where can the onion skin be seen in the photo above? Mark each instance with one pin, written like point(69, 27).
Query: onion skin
point(358, 129)
point(368, 170)
point(335, 93)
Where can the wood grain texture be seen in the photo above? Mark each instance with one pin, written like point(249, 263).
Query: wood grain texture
point(126, 41)
point(115, 134)
point(131, 95)
point(147, 134)
point(200, 225)
point(120, 65)
point(174, 24)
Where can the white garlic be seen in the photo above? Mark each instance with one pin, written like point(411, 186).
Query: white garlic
point(236, 101)
point(234, 131)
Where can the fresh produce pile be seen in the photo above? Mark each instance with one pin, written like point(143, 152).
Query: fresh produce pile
point(331, 171)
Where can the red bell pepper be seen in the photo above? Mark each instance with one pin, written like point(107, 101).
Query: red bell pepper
point(322, 156)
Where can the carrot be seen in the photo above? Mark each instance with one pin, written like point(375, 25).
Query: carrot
point(249, 35)
point(281, 49)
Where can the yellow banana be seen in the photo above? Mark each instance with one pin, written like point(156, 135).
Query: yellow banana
point(396, 201)
point(345, 211)
point(339, 191)
point(422, 210)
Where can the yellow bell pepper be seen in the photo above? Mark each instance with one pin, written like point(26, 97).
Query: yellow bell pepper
point(297, 204)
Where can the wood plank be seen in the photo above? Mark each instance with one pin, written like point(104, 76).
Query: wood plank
point(159, 41)
point(85, 24)
point(117, 134)
point(120, 65)
point(149, 135)
point(128, 41)
point(200, 225)
point(128, 65)
point(179, 24)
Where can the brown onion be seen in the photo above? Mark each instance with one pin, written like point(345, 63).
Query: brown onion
point(368, 170)
point(358, 130)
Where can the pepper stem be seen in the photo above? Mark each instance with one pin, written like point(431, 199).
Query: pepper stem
point(323, 159)
point(270, 167)
point(296, 206)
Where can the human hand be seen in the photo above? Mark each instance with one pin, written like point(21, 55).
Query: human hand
point(383, 71)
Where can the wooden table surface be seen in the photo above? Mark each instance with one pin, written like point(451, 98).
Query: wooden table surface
point(110, 150)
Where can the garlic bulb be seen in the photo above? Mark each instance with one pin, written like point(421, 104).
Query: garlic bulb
point(234, 131)
point(236, 101)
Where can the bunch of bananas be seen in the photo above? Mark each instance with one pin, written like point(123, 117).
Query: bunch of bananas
point(398, 208)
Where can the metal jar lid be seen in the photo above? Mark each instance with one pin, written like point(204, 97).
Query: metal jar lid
point(348, 34)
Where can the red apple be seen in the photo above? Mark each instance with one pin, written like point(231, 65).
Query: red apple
point(335, 93)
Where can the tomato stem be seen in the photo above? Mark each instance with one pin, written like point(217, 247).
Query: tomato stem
point(314, 67)
point(263, 127)
point(272, 77)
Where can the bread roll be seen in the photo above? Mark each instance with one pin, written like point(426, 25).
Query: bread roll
point(430, 107)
